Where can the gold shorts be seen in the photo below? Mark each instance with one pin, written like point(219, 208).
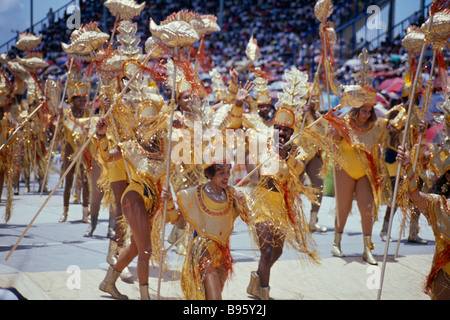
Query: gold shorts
point(352, 165)
point(144, 192)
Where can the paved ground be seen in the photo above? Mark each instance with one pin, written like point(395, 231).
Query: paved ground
point(55, 261)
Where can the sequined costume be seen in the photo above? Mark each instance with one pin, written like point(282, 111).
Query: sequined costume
point(439, 219)
point(210, 248)
point(362, 155)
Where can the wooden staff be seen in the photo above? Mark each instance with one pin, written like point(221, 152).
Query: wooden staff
point(169, 152)
point(424, 111)
point(78, 155)
point(57, 125)
point(329, 108)
point(397, 178)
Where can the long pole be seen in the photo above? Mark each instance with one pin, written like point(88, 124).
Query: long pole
point(416, 158)
point(57, 125)
point(31, 16)
point(169, 151)
point(397, 178)
point(338, 224)
point(78, 155)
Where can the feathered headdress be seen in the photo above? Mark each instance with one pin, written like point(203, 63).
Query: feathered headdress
point(290, 101)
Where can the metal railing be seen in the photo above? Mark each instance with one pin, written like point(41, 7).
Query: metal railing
point(59, 13)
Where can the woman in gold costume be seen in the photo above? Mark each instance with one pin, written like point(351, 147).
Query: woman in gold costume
point(435, 205)
point(210, 209)
point(145, 158)
point(361, 174)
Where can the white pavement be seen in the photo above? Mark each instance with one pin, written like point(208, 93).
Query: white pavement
point(54, 261)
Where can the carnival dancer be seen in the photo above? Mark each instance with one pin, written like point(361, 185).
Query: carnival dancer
point(435, 206)
point(210, 209)
point(313, 166)
point(397, 116)
point(145, 158)
point(276, 199)
point(78, 93)
point(362, 174)
point(6, 164)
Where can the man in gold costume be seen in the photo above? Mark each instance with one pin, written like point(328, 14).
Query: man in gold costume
point(74, 131)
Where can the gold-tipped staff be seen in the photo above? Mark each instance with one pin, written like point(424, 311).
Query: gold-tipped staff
point(57, 126)
point(397, 178)
point(423, 112)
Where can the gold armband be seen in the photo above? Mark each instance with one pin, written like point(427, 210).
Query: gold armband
point(235, 117)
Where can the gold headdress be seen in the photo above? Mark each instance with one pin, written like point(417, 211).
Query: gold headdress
point(177, 30)
point(356, 96)
point(252, 51)
point(33, 61)
point(28, 41)
point(182, 84)
point(218, 86)
point(85, 42)
point(263, 96)
point(413, 40)
point(124, 9)
point(290, 101)
point(151, 106)
point(77, 85)
point(128, 39)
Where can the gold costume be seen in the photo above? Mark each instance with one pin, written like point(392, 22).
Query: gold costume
point(277, 196)
point(439, 219)
point(210, 249)
point(362, 155)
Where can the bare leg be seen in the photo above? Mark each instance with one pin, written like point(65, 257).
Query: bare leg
point(2, 181)
point(133, 207)
point(118, 187)
point(212, 286)
point(97, 196)
point(344, 193)
point(364, 199)
point(69, 177)
point(312, 170)
point(271, 248)
point(97, 192)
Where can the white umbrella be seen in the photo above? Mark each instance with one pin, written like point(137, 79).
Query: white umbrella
point(353, 63)
point(277, 85)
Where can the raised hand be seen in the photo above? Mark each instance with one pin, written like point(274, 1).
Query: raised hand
point(244, 92)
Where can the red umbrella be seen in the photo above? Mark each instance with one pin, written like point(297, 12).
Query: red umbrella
point(381, 99)
point(392, 85)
